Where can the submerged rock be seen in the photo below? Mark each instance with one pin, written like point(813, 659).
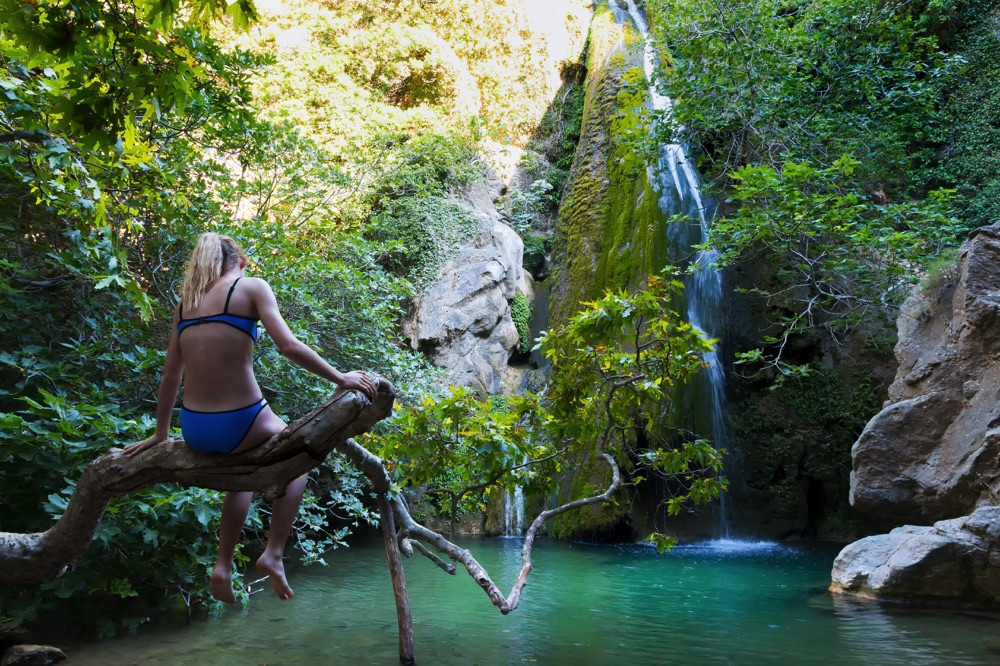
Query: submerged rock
point(32, 655)
point(932, 452)
point(953, 562)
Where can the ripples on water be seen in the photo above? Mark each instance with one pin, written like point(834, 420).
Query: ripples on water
point(718, 602)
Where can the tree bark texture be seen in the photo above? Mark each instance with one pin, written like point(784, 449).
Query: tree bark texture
point(403, 616)
point(268, 468)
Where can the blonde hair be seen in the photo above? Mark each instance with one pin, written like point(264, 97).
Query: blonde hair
point(213, 255)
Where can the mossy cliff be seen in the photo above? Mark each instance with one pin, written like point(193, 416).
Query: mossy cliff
point(606, 230)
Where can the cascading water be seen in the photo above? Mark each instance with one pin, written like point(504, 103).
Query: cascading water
point(513, 512)
point(677, 183)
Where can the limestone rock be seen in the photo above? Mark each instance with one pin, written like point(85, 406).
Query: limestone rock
point(932, 452)
point(32, 655)
point(462, 319)
point(954, 562)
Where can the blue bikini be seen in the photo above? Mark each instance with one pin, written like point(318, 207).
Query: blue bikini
point(246, 324)
point(220, 432)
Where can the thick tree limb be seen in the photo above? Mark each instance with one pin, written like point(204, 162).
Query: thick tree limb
point(31, 136)
point(267, 468)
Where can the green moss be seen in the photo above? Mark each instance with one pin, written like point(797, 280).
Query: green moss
point(607, 232)
point(590, 477)
point(520, 312)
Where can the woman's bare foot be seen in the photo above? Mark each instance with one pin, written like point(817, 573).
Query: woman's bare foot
point(275, 569)
point(222, 584)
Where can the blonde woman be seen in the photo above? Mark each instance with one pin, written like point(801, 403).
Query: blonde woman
point(211, 348)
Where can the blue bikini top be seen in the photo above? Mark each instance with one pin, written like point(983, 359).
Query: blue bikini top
point(246, 324)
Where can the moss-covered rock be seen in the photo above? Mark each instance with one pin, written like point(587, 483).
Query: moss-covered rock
point(596, 522)
point(607, 232)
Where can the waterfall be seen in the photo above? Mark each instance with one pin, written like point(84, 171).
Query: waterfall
point(513, 512)
point(677, 184)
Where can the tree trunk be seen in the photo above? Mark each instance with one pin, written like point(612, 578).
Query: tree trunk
point(398, 581)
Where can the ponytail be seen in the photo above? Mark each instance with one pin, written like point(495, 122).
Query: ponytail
point(213, 255)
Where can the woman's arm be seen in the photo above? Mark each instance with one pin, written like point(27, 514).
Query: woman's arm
point(295, 350)
point(170, 383)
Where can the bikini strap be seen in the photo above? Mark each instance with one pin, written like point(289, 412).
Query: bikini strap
point(225, 310)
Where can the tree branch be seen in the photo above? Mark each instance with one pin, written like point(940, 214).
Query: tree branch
point(31, 136)
point(409, 529)
point(268, 468)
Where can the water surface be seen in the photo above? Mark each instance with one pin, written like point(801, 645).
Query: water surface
point(720, 602)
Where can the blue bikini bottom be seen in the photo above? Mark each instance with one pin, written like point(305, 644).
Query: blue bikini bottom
point(218, 432)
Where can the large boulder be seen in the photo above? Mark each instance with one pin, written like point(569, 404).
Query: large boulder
point(953, 562)
point(462, 320)
point(932, 452)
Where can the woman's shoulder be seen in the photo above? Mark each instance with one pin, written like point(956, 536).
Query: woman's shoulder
point(257, 286)
point(255, 283)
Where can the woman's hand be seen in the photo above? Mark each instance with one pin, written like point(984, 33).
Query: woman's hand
point(138, 447)
point(361, 381)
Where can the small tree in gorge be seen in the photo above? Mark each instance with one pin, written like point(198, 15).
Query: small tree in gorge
point(460, 447)
point(615, 367)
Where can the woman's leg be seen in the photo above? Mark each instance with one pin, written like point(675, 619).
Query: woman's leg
point(234, 513)
point(282, 516)
point(285, 508)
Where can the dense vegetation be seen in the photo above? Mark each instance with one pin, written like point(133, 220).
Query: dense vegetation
point(820, 126)
point(126, 131)
point(847, 142)
point(848, 147)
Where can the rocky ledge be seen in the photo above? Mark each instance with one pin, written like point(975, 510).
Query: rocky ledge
point(953, 562)
point(931, 454)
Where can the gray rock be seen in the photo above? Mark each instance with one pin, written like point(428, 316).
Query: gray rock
point(462, 320)
point(954, 562)
point(932, 452)
point(32, 655)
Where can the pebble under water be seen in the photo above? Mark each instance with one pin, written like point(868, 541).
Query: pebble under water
point(718, 602)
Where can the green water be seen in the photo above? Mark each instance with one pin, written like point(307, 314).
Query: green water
point(719, 603)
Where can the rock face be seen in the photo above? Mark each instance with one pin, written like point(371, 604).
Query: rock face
point(954, 561)
point(932, 452)
point(462, 320)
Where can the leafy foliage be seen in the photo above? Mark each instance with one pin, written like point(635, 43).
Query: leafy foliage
point(616, 366)
point(814, 122)
point(520, 312)
point(970, 139)
point(764, 82)
point(461, 447)
point(845, 261)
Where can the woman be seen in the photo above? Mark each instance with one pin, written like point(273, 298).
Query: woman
point(211, 347)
